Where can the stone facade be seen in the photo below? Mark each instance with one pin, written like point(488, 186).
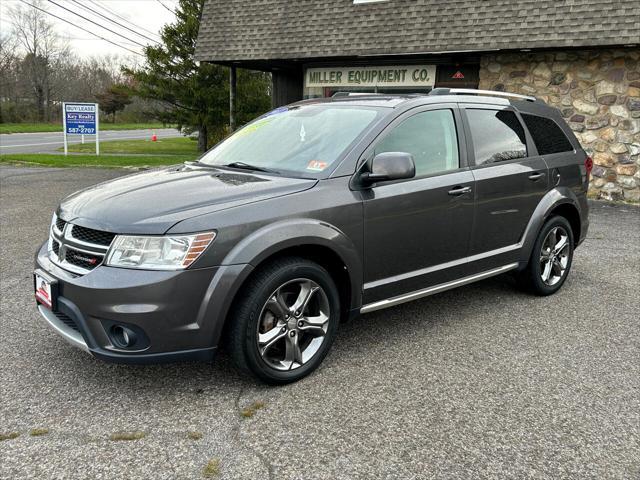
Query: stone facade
point(598, 93)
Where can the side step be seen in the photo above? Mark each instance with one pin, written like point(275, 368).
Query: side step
point(425, 292)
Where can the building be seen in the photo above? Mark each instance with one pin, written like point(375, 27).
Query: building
point(581, 56)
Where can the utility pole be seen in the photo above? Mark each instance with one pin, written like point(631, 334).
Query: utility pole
point(232, 98)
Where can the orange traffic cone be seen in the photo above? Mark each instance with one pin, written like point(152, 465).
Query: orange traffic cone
point(154, 137)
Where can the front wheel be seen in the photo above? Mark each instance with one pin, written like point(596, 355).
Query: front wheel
point(551, 258)
point(285, 322)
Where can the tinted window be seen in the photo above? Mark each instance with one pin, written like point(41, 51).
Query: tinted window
point(497, 135)
point(547, 135)
point(430, 137)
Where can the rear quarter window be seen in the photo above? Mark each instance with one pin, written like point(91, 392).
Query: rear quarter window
point(547, 135)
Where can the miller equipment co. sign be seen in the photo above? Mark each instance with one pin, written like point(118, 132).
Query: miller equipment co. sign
point(381, 76)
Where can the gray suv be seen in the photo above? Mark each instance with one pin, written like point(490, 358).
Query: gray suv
point(309, 216)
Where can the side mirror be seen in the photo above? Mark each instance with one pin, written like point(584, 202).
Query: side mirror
point(390, 166)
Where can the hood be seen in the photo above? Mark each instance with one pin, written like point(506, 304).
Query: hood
point(152, 202)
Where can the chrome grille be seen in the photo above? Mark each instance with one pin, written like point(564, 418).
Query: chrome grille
point(60, 224)
point(92, 236)
point(76, 248)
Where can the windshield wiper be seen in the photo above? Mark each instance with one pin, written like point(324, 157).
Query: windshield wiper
point(200, 164)
point(247, 166)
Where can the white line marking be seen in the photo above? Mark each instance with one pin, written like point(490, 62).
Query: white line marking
point(30, 145)
point(74, 141)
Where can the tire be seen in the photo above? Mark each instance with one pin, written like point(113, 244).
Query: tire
point(550, 262)
point(271, 339)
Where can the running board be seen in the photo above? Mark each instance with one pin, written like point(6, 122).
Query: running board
point(425, 292)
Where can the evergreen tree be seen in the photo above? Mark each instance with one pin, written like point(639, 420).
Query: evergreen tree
point(196, 95)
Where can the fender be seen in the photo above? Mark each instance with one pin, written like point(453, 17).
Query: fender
point(552, 199)
point(260, 245)
point(276, 237)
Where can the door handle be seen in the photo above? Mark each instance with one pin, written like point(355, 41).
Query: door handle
point(536, 176)
point(460, 191)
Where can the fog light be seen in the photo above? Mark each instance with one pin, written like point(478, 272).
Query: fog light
point(123, 337)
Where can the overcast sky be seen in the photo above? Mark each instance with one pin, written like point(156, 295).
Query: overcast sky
point(146, 16)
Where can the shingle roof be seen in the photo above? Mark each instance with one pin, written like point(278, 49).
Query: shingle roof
point(284, 29)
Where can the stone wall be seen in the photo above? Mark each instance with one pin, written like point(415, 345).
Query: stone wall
point(598, 93)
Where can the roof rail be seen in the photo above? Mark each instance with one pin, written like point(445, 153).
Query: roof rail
point(354, 94)
point(472, 91)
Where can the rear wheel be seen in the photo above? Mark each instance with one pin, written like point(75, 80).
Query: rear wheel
point(551, 258)
point(285, 322)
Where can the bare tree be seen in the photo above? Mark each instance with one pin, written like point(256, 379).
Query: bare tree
point(44, 52)
point(8, 44)
point(8, 72)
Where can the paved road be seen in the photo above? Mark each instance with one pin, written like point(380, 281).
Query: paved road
point(483, 382)
point(51, 142)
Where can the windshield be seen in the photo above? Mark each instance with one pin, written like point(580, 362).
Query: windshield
point(302, 141)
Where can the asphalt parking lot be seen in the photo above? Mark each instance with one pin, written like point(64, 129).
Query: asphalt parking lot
point(480, 382)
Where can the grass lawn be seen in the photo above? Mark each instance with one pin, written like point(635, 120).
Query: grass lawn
point(114, 154)
point(57, 127)
point(107, 161)
point(164, 146)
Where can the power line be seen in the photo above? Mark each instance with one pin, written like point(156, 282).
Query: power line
point(81, 28)
point(84, 7)
point(165, 6)
point(115, 14)
point(96, 23)
point(86, 39)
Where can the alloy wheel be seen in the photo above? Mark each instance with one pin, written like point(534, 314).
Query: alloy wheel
point(554, 256)
point(293, 324)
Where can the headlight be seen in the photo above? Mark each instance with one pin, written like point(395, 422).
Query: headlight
point(173, 252)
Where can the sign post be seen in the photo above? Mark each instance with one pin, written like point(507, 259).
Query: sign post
point(97, 132)
point(80, 119)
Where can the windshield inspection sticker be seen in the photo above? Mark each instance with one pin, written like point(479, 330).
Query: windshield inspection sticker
point(316, 165)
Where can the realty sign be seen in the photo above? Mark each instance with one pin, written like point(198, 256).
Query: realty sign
point(80, 119)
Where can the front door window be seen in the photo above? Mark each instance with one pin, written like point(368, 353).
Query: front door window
point(430, 137)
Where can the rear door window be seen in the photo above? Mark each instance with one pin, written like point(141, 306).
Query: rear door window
point(498, 135)
point(547, 135)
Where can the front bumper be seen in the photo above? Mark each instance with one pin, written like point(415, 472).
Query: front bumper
point(179, 313)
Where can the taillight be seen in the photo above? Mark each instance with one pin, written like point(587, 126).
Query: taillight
point(588, 164)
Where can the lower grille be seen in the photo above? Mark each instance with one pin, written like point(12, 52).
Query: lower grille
point(67, 320)
point(56, 247)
